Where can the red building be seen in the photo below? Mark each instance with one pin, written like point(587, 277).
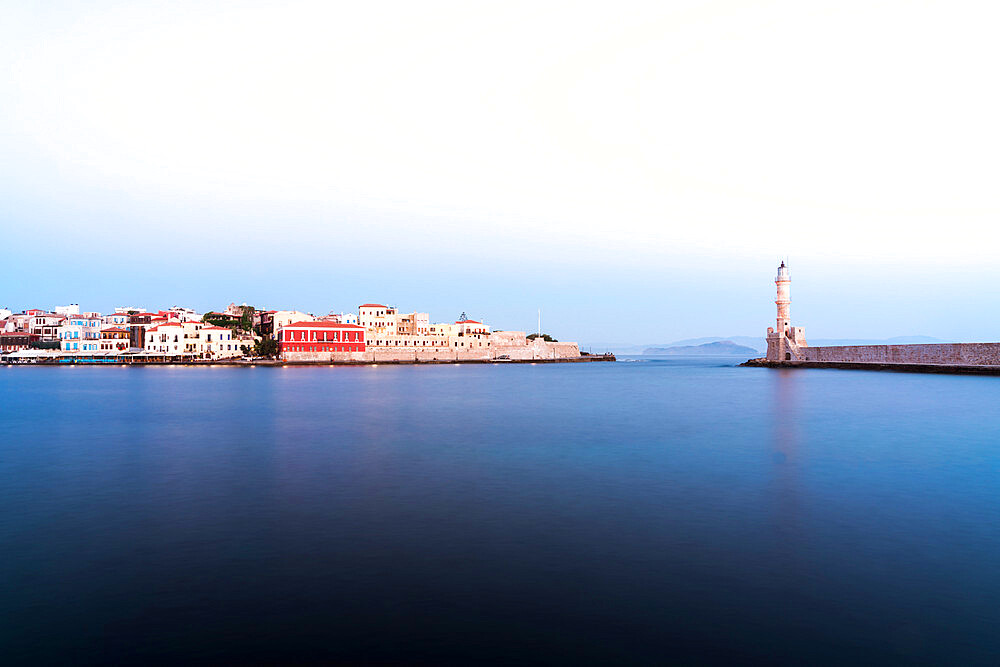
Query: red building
point(308, 338)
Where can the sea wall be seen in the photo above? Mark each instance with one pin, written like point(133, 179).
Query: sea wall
point(509, 347)
point(960, 354)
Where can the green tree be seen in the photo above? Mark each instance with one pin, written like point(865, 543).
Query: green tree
point(547, 338)
point(266, 347)
point(246, 318)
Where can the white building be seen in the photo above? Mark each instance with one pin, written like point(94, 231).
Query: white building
point(386, 327)
point(44, 325)
point(192, 339)
point(378, 320)
point(340, 318)
point(184, 314)
point(80, 334)
point(282, 318)
point(220, 342)
point(71, 309)
point(116, 319)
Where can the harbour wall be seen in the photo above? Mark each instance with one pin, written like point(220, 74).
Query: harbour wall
point(952, 354)
point(534, 350)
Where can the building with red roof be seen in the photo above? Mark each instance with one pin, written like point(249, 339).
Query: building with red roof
point(321, 341)
point(194, 340)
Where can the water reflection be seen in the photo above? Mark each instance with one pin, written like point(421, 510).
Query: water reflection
point(787, 468)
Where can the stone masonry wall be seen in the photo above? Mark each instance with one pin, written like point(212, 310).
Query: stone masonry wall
point(961, 354)
point(527, 350)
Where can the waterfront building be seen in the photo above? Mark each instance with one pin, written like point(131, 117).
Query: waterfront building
point(386, 327)
point(319, 341)
point(412, 324)
point(11, 341)
point(377, 319)
point(80, 334)
point(138, 324)
point(45, 325)
point(218, 342)
point(167, 338)
point(191, 339)
point(114, 340)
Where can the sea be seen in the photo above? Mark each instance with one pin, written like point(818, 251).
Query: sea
point(646, 511)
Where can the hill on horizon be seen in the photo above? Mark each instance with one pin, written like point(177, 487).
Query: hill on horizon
point(721, 347)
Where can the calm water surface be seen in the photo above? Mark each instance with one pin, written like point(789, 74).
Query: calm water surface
point(645, 511)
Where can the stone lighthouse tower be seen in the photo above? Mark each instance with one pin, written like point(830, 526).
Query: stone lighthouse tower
point(784, 300)
point(784, 340)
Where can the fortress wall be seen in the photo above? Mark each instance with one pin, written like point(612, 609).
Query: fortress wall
point(538, 349)
point(562, 350)
point(508, 338)
point(964, 354)
point(517, 351)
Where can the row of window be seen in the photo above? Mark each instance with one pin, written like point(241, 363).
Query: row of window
point(323, 348)
point(76, 334)
point(406, 343)
point(323, 336)
point(76, 346)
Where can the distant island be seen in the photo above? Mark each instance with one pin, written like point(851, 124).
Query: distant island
point(716, 348)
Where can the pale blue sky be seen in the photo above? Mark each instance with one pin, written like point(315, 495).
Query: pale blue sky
point(635, 171)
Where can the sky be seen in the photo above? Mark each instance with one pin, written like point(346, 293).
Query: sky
point(634, 170)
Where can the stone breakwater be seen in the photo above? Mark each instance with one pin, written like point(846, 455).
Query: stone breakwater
point(978, 358)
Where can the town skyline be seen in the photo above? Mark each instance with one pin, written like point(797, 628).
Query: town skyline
point(922, 303)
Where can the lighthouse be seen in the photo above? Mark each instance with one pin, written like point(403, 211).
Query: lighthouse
point(783, 340)
point(784, 300)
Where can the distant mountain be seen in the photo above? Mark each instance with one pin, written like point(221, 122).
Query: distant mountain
point(758, 343)
point(719, 348)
